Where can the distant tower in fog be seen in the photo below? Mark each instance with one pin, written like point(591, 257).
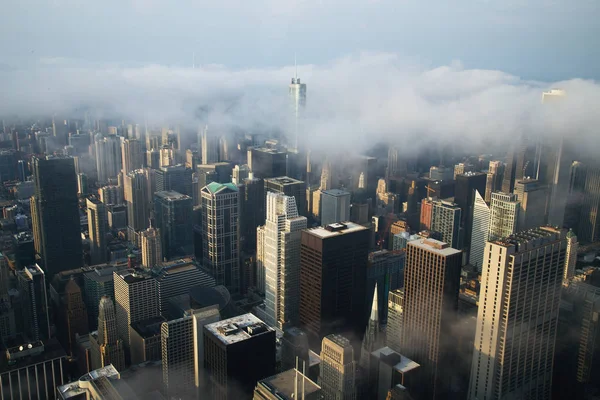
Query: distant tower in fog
point(297, 92)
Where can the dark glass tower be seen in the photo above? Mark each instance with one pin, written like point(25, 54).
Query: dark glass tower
point(173, 213)
point(464, 197)
point(55, 216)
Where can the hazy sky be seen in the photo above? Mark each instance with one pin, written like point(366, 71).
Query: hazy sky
point(534, 39)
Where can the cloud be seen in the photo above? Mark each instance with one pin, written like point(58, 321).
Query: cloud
point(352, 101)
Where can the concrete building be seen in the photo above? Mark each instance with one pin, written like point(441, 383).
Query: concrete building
point(570, 256)
point(480, 230)
point(34, 317)
point(335, 206)
point(338, 369)
point(108, 157)
point(532, 198)
point(97, 222)
point(265, 162)
point(289, 187)
point(290, 384)
point(132, 156)
point(504, 215)
point(209, 146)
point(106, 346)
point(443, 217)
point(100, 383)
point(493, 179)
point(390, 370)
point(151, 248)
point(520, 293)
point(138, 208)
point(178, 362)
point(111, 194)
point(395, 324)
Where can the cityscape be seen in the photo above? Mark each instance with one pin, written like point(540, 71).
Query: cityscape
point(357, 228)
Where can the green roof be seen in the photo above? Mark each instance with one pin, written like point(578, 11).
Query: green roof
point(215, 187)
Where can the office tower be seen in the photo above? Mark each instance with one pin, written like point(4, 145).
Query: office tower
point(504, 215)
point(589, 222)
point(220, 235)
point(338, 369)
point(291, 384)
point(461, 169)
point(372, 339)
point(522, 277)
point(177, 355)
point(173, 213)
point(106, 346)
point(430, 303)
point(176, 278)
point(200, 318)
point(238, 352)
point(117, 217)
point(413, 210)
point(315, 202)
point(31, 282)
point(75, 316)
point(82, 184)
point(494, 179)
point(333, 270)
point(240, 174)
point(131, 152)
point(479, 231)
point(138, 209)
point(297, 93)
point(98, 282)
point(289, 187)
point(176, 178)
point(108, 157)
point(266, 162)
point(55, 214)
point(8, 165)
point(111, 194)
point(282, 260)
point(576, 195)
point(167, 156)
point(385, 272)
point(135, 300)
point(514, 160)
point(395, 167)
point(326, 176)
point(96, 213)
point(532, 198)
point(153, 158)
point(395, 319)
point(570, 256)
point(209, 146)
point(441, 173)
point(335, 206)
point(260, 259)
point(252, 211)
point(467, 184)
point(151, 248)
point(100, 383)
point(294, 348)
point(443, 217)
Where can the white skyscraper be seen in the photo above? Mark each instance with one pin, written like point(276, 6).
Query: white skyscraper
point(504, 214)
point(132, 156)
point(151, 247)
point(518, 316)
point(282, 259)
point(571, 256)
point(297, 92)
point(480, 231)
point(209, 146)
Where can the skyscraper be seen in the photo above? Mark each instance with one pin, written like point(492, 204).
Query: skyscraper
point(395, 324)
point(371, 338)
point(335, 206)
point(173, 213)
point(333, 271)
point(589, 221)
point(282, 260)
point(175, 178)
point(252, 211)
point(132, 156)
point(31, 282)
point(108, 156)
point(55, 214)
point(267, 162)
point(467, 184)
point(138, 209)
point(570, 256)
point(532, 198)
point(289, 187)
point(494, 179)
point(220, 235)
point(97, 221)
point(326, 176)
point(151, 248)
point(209, 146)
point(177, 355)
point(338, 369)
point(520, 295)
point(75, 314)
point(106, 346)
point(443, 217)
point(504, 215)
point(431, 283)
point(480, 230)
point(298, 98)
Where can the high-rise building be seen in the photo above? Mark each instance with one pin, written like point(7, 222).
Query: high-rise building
point(136, 195)
point(252, 211)
point(430, 303)
point(106, 346)
point(96, 212)
point(82, 184)
point(260, 259)
point(98, 282)
point(385, 272)
point(532, 198)
point(297, 93)
point(494, 179)
point(371, 339)
point(108, 157)
point(589, 221)
point(173, 214)
point(467, 184)
point(135, 300)
point(520, 295)
point(175, 178)
point(289, 187)
point(34, 316)
point(338, 369)
point(132, 156)
point(209, 146)
point(395, 319)
point(443, 217)
point(74, 314)
point(240, 174)
point(395, 167)
point(177, 355)
point(291, 384)
point(570, 256)
point(151, 247)
point(504, 215)
point(111, 194)
point(335, 206)
point(220, 234)
point(333, 271)
point(266, 162)
point(326, 176)
point(282, 260)
point(238, 352)
point(479, 231)
point(55, 214)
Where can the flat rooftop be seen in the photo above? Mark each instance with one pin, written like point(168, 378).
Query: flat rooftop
point(434, 246)
point(269, 150)
point(132, 276)
point(238, 329)
point(171, 195)
point(335, 192)
point(284, 180)
point(404, 364)
point(336, 229)
point(283, 384)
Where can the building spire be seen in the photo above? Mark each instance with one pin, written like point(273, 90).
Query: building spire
point(371, 339)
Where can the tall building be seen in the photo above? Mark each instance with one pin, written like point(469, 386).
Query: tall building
point(326, 176)
point(266, 162)
point(297, 93)
point(335, 206)
point(108, 157)
point(467, 184)
point(209, 146)
point(395, 167)
point(532, 198)
point(260, 259)
point(135, 300)
point(520, 295)
point(220, 234)
point(34, 316)
point(291, 384)
point(136, 194)
point(97, 221)
point(238, 352)
point(239, 174)
point(177, 355)
point(75, 314)
point(395, 324)
point(338, 369)
point(504, 215)
point(151, 247)
point(173, 213)
point(479, 231)
point(443, 217)
point(175, 178)
point(252, 211)
point(431, 284)
point(371, 339)
point(106, 346)
point(289, 187)
point(589, 221)
point(111, 194)
point(570, 256)
point(333, 271)
point(282, 260)
point(98, 282)
point(494, 179)
point(55, 214)
point(132, 156)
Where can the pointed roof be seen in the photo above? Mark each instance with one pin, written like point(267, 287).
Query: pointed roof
point(374, 308)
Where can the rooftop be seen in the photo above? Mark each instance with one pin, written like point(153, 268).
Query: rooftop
point(336, 229)
point(434, 246)
point(269, 150)
point(171, 195)
point(284, 180)
point(283, 384)
point(401, 364)
point(131, 276)
point(525, 240)
point(237, 329)
point(335, 192)
point(215, 187)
